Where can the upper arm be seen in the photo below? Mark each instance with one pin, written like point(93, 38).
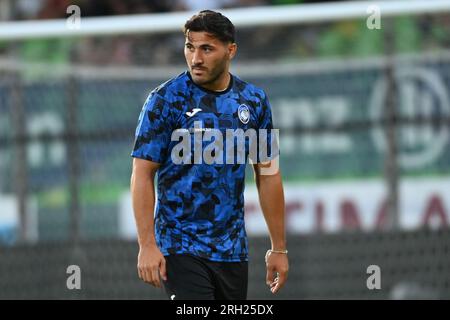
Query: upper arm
point(144, 168)
point(154, 130)
point(265, 117)
point(265, 170)
point(267, 146)
point(268, 160)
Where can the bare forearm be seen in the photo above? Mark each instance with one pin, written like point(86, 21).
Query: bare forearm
point(143, 199)
point(271, 197)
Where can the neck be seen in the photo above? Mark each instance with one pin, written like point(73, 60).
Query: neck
point(220, 84)
point(223, 89)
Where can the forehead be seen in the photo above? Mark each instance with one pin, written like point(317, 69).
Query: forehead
point(201, 37)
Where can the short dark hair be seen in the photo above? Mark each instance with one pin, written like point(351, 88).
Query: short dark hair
point(211, 22)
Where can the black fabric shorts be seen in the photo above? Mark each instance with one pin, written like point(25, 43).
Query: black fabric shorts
point(194, 278)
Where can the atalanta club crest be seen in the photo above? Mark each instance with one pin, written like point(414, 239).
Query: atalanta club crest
point(244, 114)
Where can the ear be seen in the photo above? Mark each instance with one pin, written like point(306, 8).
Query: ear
point(232, 48)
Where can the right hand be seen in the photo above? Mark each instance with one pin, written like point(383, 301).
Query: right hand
point(151, 264)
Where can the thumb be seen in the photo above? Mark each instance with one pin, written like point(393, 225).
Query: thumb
point(269, 276)
point(162, 269)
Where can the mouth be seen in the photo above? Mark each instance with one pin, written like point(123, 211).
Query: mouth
point(198, 70)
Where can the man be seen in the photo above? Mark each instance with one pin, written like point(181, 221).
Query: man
point(196, 240)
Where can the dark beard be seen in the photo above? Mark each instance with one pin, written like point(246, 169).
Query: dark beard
point(217, 76)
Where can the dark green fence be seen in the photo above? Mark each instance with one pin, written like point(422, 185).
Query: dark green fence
point(413, 265)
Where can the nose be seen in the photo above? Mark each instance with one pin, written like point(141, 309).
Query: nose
point(197, 58)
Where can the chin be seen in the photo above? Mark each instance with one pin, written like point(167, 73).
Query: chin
point(199, 80)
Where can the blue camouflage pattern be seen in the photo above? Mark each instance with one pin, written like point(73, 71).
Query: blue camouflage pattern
point(200, 207)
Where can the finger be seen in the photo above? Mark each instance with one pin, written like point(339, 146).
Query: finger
point(274, 283)
point(139, 273)
point(162, 269)
point(276, 286)
point(275, 289)
point(280, 283)
point(155, 277)
point(142, 273)
point(146, 275)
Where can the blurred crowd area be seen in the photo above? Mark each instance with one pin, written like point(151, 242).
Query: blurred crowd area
point(349, 38)
point(54, 9)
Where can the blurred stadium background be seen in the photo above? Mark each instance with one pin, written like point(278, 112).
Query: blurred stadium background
point(364, 127)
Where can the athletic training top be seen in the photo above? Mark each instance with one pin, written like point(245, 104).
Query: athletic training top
point(200, 202)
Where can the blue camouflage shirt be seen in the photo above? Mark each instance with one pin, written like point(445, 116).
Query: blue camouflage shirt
point(200, 206)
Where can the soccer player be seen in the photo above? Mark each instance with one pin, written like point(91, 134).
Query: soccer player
point(195, 243)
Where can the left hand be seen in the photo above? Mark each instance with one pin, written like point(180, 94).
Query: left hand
point(277, 265)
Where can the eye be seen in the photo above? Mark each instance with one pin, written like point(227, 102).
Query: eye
point(207, 49)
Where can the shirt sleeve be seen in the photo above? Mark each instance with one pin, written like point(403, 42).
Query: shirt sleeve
point(154, 130)
point(268, 147)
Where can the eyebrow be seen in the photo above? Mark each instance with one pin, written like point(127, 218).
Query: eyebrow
point(204, 45)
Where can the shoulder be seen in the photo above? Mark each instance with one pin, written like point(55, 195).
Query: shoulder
point(249, 89)
point(165, 98)
point(172, 88)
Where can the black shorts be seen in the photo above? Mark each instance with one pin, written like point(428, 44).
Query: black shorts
point(194, 278)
